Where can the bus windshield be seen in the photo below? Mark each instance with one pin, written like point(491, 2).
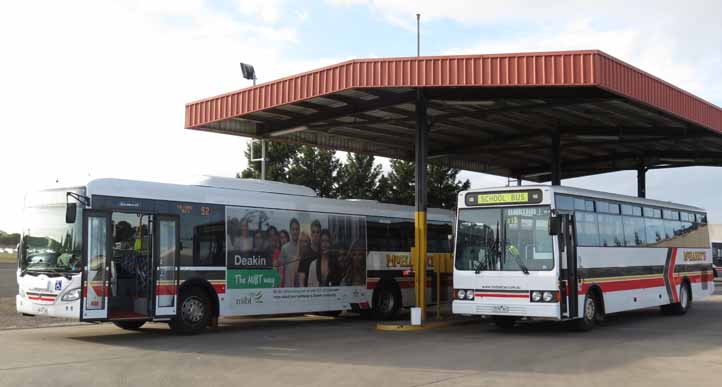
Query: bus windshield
point(504, 239)
point(48, 243)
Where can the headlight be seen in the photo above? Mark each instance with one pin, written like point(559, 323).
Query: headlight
point(71, 295)
point(536, 296)
point(22, 293)
point(461, 294)
point(469, 294)
point(548, 297)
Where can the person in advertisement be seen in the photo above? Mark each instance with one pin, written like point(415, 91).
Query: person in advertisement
point(319, 251)
point(290, 254)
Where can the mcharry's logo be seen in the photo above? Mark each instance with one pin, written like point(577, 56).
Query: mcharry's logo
point(694, 256)
point(396, 260)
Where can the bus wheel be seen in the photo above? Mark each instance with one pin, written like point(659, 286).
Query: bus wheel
point(590, 314)
point(684, 304)
point(386, 301)
point(129, 325)
point(504, 322)
point(194, 312)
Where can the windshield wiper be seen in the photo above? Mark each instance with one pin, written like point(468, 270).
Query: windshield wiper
point(482, 264)
point(521, 264)
point(517, 258)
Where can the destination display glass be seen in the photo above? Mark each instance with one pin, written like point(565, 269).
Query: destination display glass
point(475, 199)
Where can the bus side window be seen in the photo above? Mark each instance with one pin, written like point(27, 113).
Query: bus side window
point(587, 229)
point(377, 235)
point(611, 231)
point(634, 231)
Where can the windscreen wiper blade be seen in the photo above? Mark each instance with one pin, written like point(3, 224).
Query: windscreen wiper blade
point(482, 264)
point(521, 264)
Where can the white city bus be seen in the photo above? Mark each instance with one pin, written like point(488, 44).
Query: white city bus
point(130, 252)
point(561, 253)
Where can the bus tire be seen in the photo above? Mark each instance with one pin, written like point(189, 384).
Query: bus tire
point(504, 322)
point(129, 325)
point(590, 313)
point(684, 304)
point(194, 312)
point(386, 301)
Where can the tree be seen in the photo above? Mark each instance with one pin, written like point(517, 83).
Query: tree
point(9, 240)
point(278, 158)
point(442, 185)
point(315, 168)
point(401, 183)
point(383, 190)
point(357, 178)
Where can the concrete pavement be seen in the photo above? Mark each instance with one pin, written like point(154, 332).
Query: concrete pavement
point(639, 348)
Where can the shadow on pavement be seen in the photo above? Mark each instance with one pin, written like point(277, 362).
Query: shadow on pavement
point(533, 347)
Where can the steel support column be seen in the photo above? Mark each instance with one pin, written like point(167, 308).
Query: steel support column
point(556, 159)
point(422, 134)
point(642, 182)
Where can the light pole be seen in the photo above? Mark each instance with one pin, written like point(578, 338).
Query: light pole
point(250, 73)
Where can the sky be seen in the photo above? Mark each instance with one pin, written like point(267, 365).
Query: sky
point(92, 89)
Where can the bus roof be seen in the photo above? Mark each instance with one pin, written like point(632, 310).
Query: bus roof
point(591, 193)
point(236, 194)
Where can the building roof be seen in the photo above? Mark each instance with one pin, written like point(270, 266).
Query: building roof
point(488, 113)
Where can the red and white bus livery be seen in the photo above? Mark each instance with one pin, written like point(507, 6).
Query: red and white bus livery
point(562, 253)
point(131, 251)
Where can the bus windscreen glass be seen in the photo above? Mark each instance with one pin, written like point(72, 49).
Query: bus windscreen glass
point(504, 239)
point(48, 243)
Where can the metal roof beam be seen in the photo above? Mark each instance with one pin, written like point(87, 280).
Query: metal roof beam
point(331, 113)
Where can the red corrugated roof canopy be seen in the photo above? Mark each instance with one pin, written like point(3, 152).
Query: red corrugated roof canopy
point(488, 113)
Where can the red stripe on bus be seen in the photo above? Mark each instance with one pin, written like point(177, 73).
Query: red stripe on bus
point(165, 290)
point(35, 298)
point(670, 274)
point(617, 286)
point(219, 288)
point(502, 295)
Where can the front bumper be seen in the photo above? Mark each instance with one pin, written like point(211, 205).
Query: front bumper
point(62, 309)
point(531, 310)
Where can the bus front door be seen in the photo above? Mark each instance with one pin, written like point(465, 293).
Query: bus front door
point(97, 250)
point(166, 266)
point(569, 276)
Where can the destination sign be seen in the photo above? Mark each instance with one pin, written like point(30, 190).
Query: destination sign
point(504, 198)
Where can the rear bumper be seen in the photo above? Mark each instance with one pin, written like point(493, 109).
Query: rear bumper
point(60, 309)
point(531, 310)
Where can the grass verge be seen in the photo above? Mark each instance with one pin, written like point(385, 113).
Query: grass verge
point(8, 258)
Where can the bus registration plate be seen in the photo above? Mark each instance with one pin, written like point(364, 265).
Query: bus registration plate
point(500, 309)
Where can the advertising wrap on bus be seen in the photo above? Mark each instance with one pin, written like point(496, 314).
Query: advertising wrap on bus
point(287, 261)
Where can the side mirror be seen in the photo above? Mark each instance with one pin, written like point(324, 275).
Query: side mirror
point(555, 225)
point(71, 211)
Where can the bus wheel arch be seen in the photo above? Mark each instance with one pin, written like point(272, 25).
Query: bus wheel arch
point(685, 297)
point(208, 288)
point(197, 307)
point(598, 294)
point(589, 313)
point(386, 299)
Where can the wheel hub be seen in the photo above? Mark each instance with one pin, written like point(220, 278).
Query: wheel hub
point(386, 302)
point(683, 297)
point(589, 309)
point(192, 310)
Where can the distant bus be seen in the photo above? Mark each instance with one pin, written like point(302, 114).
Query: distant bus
point(561, 253)
point(131, 252)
